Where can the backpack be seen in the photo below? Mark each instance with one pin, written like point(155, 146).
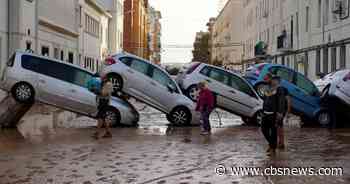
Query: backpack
point(94, 85)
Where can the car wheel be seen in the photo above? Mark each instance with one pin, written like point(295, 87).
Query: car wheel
point(256, 120)
point(112, 116)
point(261, 89)
point(23, 93)
point(117, 82)
point(324, 118)
point(193, 92)
point(180, 116)
point(325, 92)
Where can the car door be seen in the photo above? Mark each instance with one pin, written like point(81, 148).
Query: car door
point(83, 100)
point(53, 83)
point(244, 95)
point(226, 97)
point(158, 89)
point(138, 79)
point(307, 94)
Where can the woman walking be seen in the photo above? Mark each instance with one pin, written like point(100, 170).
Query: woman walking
point(205, 105)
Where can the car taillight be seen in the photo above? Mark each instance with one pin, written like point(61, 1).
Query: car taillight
point(109, 61)
point(347, 77)
point(193, 68)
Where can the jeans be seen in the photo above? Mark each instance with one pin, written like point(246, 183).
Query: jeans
point(205, 121)
point(269, 129)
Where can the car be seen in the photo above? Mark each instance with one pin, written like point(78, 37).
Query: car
point(29, 78)
point(338, 86)
point(150, 84)
point(325, 80)
point(233, 93)
point(306, 98)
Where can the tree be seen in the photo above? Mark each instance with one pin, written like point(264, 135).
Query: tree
point(201, 46)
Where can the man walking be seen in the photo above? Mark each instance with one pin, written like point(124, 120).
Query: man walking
point(205, 105)
point(274, 110)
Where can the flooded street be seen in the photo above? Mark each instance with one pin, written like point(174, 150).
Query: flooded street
point(156, 153)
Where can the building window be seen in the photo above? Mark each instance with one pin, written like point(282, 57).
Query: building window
point(62, 55)
point(56, 53)
point(318, 62)
point(319, 11)
point(342, 57)
point(326, 13)
point(71, 57)
point(334, 59)
point(92, 26)
point(307, 18)
point(325, 60)
point(45, 51)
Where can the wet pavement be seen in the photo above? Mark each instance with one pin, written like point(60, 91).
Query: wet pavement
point(156, 153)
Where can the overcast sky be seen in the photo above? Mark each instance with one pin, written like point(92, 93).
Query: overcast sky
point(181, 20)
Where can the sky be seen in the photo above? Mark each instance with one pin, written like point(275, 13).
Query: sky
point(181, 20)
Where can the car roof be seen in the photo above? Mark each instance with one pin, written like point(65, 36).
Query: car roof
point(126, 54)
point(220, 68)
point(55, 60)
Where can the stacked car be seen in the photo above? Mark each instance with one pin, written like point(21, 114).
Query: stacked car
point(29, 77)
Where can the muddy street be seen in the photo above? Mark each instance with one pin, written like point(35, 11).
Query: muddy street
point(157, 153)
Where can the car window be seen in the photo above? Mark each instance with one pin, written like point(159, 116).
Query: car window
point(80, 77)
point(205, 71)
point(140, 66)
point(46, 67)
point(162, 78)
point(126, 60)
point(241, 85)
point(220, 76)
point(284, 73)
point(30, 63)
point(306, 85)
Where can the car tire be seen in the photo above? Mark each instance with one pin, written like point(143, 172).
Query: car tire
point(325, 92)
point(324, 118)
point(255, 121)
point(112, 116)
point(259, 88)
point(192, 92)
point(23, 93)
point(117, 82)
point(180, 116)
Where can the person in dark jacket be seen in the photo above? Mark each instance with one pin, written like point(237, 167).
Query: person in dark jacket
point(205, 105)
point(274, 109)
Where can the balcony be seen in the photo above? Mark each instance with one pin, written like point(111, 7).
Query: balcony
point(284, 43)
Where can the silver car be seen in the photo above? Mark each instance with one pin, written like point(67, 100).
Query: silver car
point(150, 84)
point(30, 78)
point(336, 84)
point(233, 93)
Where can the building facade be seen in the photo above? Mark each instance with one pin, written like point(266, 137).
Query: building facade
point(136, 27)
point(312, 37)
point(154, 35)
point(227, 47)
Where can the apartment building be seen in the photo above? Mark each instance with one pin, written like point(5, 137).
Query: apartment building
point(154, 35)
point(136, 27)
point(82, 32)
point(310, 36)
point(227, 47)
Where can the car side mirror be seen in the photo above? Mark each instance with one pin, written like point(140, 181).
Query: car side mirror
point(171, 88)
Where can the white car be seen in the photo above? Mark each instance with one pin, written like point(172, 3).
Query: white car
point(233, 93)
point(151, 84)
point(327, 79)
point(337, 85)
point(31, 78)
